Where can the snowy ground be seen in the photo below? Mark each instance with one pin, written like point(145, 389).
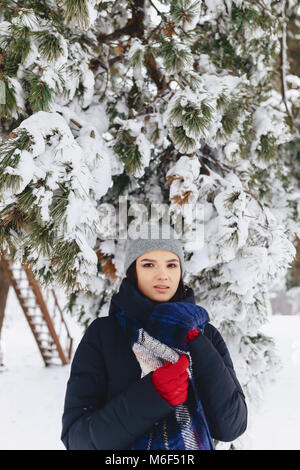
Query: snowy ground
point(32, 396)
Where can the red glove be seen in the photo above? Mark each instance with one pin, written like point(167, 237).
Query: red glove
point(192, 334)
point(171, 381)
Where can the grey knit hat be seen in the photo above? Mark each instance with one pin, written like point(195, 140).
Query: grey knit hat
point(153, 236)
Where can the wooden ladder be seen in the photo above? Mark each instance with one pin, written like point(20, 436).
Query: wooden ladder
point(43, 315)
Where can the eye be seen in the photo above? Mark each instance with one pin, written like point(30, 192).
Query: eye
point(171, 264)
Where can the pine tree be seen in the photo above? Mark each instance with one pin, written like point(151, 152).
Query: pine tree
point(181, 102)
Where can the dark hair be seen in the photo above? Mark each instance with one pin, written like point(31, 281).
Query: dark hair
point(179, 295)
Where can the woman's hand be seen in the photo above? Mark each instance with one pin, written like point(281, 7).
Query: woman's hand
point(171, 381)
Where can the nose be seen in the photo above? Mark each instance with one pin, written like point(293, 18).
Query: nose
point(162, 273)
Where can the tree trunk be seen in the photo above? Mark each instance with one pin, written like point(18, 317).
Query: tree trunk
point(4, 286)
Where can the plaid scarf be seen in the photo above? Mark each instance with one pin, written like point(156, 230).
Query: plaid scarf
point(163, 340)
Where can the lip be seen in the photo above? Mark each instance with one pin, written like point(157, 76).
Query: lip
point(161, 289)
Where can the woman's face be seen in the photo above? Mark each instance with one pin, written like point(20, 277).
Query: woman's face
point(158, 268)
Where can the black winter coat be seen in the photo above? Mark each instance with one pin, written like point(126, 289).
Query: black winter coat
point(107, 404)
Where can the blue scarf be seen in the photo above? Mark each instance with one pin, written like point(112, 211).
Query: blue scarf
point(186, 427)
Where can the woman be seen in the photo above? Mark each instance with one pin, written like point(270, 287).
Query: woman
point(154, 373)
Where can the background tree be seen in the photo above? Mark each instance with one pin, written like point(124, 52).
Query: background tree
point(177, 102)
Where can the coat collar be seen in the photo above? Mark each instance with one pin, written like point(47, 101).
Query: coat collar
point(136, 304)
